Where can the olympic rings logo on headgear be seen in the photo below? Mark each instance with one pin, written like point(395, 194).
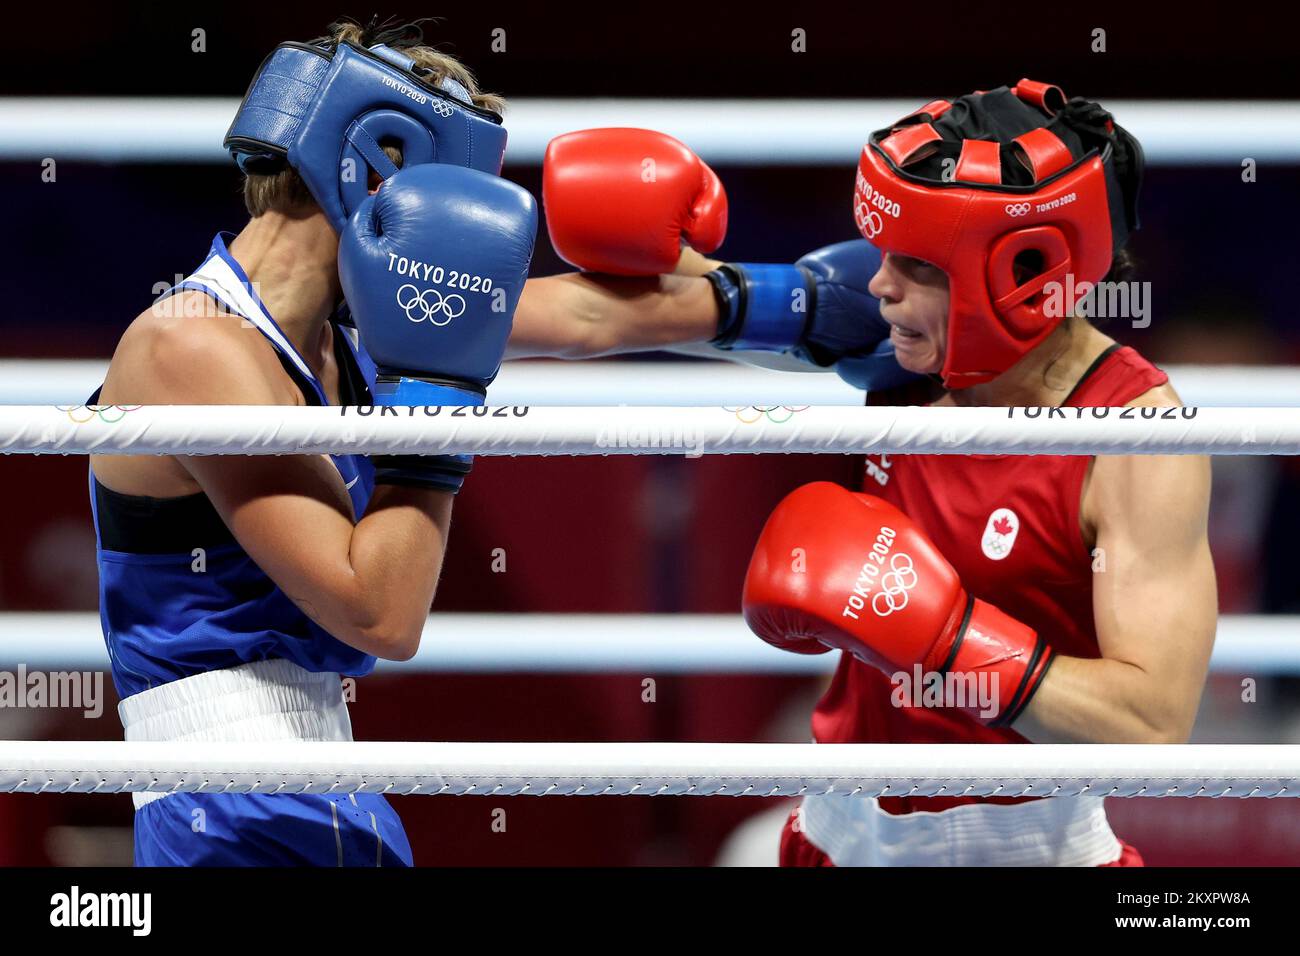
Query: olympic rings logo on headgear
point(109, 414)
point(443, 109)
point(1018, 208)
point(424, 306)
point(895, 584)
point(869, 221)
point(777, 414)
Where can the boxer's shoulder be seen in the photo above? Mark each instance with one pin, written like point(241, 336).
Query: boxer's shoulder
point(1158, 396)
point(1161, 497)
point(190, 354)
point(194, 352)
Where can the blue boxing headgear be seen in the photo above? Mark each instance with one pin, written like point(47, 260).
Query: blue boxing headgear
point(326, 109)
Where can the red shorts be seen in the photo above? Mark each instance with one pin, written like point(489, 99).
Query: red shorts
point(796, 850)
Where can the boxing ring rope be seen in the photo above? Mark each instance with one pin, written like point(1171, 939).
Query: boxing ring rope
point(655, 430)
point(655, 381)
point(651, 769)
point(126, 129)
point(639, 644)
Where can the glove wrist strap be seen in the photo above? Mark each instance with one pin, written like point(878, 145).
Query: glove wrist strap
point(1000, 661)
point(762, 306)
point(400, 389)
point(437, 472)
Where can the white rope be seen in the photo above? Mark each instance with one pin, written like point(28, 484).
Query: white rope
point(639, 382)
point(175, 129)
point(642, 644)
point(615, 769)
point(525, 430)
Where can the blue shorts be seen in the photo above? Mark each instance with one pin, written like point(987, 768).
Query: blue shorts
point(256, 829)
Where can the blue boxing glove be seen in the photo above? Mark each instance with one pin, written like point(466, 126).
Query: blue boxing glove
point(818, 310)
point(432, 266)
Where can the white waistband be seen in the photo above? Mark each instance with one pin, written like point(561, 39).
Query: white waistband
point(262, 700)
point(1056, 831)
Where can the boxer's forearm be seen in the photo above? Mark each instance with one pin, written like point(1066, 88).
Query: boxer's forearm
point(579, 315)
point(1104, 701)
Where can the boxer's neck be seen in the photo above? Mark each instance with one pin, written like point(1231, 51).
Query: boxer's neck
point(1046, 375)
point(292, 261)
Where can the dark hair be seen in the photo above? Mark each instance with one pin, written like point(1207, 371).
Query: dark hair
point(1123, 268)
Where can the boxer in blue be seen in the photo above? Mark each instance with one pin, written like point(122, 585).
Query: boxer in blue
point(234, 591)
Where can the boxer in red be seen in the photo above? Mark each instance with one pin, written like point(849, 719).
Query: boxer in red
point(1035, 598)
point(1032, 599)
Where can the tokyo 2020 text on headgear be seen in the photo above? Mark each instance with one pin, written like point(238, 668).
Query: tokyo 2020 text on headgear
point(327, 108)
point(1006, 191)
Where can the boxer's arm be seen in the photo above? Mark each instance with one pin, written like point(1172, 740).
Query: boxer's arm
point(1155, 607)
point(585, 315)
point(370, 582)
point(693, 263)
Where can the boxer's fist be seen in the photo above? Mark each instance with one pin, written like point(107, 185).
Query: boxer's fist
point(622, 201)
point(846, 570)
point(819, 310)
point(432, 266)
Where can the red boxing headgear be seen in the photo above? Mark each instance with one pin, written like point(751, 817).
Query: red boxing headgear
point(991, 182)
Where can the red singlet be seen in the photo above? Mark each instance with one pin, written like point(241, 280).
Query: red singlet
point(1009, 524)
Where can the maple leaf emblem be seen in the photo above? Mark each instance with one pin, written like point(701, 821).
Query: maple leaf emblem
point(1003, 525)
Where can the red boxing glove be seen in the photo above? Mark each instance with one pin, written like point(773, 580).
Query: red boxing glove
point(838, 569)
point(622, 201)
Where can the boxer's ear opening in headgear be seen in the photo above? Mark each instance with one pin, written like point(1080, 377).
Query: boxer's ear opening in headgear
point(1016, 193)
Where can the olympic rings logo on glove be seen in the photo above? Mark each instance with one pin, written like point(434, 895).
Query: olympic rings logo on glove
point(895, 584)
point(427, 305)
point(1018, 208)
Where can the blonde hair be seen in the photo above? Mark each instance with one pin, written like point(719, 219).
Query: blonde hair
point(284, 190)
